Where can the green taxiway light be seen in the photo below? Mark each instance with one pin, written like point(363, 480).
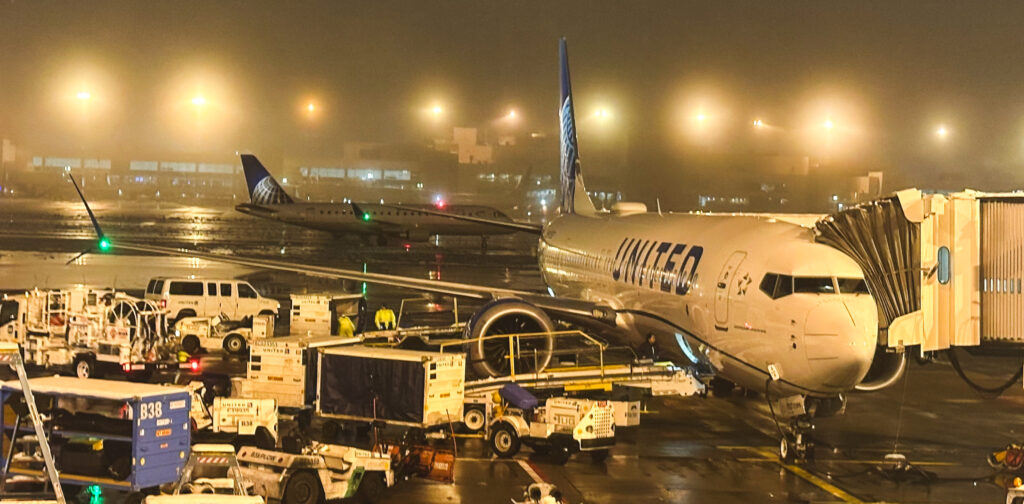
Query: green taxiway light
point(104, 244)
point(366, 216)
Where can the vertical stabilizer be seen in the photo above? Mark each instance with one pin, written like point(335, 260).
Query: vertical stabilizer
point(263, 189)
point(574, 197)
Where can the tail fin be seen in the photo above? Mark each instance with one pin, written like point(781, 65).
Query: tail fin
point(263, 189)
point(574, 197)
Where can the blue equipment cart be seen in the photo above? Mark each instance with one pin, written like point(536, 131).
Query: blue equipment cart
point(114, 434)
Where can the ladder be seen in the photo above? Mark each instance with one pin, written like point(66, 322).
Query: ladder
point(10, 355)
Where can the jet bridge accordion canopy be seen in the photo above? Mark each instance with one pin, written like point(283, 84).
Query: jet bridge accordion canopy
point(945, 269)
point(887, 246)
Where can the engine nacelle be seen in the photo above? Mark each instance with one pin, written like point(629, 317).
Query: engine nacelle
point(886, 369)
point(490, 357)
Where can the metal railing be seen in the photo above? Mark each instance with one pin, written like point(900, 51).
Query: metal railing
point(515, 348)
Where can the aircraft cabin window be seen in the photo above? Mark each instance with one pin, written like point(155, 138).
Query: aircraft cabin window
point(814, 285)
point(852, 286)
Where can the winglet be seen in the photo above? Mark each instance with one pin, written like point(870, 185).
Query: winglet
point(104, 243)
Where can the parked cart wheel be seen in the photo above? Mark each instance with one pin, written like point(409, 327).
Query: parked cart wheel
point(505, 440)
point(303, 488)
point(85, 367)
point(598, 456)
point(234, 344)
point(371, 488)
point(190, 343)
point(474, 419)
point(561, 451)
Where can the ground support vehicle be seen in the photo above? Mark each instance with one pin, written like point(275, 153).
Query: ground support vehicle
point(561, 427)
point(197, 297)
point(250, 421)
point(129, 437)
point(322, 472)
point(212, 469)
point(88, 332)
point(217, 333)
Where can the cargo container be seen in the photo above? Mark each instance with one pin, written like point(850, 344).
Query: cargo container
point(398, 387)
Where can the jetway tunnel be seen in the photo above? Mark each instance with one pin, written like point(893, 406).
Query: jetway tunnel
point(945, 269)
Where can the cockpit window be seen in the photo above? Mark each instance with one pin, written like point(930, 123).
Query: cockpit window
point(852, 286)
point(814, 285)
point(776, 286)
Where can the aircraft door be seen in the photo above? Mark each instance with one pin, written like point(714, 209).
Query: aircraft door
point(723, 285)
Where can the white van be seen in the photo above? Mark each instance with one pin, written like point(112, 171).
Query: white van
point(198, 297)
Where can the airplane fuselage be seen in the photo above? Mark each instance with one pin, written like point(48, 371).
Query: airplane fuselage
point(695, 282)
point(405, 223)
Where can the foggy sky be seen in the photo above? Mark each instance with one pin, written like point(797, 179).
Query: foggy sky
point(902, 66)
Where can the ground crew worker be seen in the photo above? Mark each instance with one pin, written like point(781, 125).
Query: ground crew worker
point(345, 326)
point(385, 318)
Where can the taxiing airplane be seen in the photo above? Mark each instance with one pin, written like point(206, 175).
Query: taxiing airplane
point(753, 297)
point(384, 223)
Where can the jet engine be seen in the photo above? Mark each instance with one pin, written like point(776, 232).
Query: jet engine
point(490, 357)
point(886, 369)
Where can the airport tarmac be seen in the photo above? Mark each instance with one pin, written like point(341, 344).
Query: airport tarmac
point(686, 449)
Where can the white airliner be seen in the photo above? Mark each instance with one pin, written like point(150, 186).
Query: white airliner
point(384, 223)
point(752, 297)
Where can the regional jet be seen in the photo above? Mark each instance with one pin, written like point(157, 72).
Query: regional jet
point(754, 298)
point(370, 221)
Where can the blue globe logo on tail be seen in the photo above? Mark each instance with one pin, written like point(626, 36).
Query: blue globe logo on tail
point(267, 192)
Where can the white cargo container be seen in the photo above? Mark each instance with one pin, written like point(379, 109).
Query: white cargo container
point(400, 387)
point(278, 369)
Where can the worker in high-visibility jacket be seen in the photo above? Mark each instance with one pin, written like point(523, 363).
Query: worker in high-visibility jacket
point(345, 326)
point(385, 318)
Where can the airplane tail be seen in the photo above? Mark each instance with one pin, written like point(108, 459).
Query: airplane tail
point(263, 189)
point(574, 197)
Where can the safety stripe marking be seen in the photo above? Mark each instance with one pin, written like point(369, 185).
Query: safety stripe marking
point(528, 467)
point(814, 480)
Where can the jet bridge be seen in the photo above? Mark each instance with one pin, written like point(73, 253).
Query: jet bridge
point(945, 269)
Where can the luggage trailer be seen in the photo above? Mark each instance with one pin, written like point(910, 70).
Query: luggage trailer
point(129, 437)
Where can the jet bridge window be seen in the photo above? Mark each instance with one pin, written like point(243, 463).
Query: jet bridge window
point(852, 286)
point(776, 286)
point(814, 285)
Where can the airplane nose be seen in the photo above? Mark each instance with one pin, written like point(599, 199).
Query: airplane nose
point(839, 339)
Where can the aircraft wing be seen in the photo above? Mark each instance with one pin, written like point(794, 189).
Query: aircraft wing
point(518, 226)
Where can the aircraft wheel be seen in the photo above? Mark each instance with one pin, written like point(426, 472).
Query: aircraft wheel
point(505, 440)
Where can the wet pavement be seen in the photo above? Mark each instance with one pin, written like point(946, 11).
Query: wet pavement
point(686, 450)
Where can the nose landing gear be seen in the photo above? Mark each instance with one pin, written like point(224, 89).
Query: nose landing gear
point(796, 444)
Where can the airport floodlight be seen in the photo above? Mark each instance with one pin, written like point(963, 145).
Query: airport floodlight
point(199, 101)
point(941, 132)
point(83, 95)
point(512, 114)
point(311, 107)
point(701, 117)
point(828, 124)
point(437, 110)
point(603, 114)
point(758, 123)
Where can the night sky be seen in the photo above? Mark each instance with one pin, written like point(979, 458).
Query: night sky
point(887, 73)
